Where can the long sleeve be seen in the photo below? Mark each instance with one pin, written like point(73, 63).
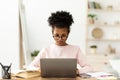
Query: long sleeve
point(84, 67)
point(69, 51)
point(35, 64)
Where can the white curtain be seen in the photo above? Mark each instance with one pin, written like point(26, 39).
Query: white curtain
point(26, 51)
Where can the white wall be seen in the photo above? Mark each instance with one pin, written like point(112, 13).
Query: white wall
point(9, 33)
point(37, 13)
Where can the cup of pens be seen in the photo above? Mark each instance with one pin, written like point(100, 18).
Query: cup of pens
point(6, 71)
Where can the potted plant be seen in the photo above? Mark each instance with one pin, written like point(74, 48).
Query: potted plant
point(93, 49)
point(34, 53)
point(91, 18)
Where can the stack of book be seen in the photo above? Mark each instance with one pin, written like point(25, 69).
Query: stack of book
point(94, 5)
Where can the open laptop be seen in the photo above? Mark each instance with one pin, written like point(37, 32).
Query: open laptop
point(58, 67)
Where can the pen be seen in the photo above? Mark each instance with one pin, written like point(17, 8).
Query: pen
point(105, 75)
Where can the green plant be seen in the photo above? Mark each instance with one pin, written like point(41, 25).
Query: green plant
point(35, 53)
point(91, 15)
point(93, 46)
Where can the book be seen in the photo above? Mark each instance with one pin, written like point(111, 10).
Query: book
point(94, 5)
point(26, 73)
point(91, 5)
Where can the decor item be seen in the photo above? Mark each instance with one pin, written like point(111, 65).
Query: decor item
point(34, 53)
point(6, 71)
point(109, 7)
point(93, 49)
point(91, 18)
point(110, 50)
point(97, 33)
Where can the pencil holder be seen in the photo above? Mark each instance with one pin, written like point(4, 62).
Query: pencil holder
point(6, 71)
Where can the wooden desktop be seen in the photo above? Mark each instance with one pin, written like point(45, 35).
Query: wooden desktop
point(35, 75)
point(40, 78)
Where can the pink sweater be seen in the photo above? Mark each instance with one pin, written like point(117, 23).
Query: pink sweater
point(68, 51)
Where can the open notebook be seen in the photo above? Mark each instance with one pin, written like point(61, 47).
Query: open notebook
point(26, 73)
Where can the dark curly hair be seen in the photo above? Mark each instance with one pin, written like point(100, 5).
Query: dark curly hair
point(60, 19)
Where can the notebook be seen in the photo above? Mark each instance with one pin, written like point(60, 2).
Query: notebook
point(58, 67)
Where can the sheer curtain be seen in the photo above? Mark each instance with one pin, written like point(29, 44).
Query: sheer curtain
point(24, 39)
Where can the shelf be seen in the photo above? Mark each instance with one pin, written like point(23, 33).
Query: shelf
point(103, 10)
point(103, 19)
point(103, 39)
point(102, 32)
point(107, 25)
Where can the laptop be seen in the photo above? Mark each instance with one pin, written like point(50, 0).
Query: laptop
point(58, 67)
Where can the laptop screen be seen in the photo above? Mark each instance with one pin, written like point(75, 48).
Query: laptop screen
point(58, 67)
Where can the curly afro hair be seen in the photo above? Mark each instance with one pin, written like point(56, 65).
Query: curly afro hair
point(60, 19)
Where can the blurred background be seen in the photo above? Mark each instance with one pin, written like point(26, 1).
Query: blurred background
point(24, 30)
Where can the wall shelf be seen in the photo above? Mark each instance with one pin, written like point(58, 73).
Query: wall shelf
point(104, 25)
point(102, 10)
point(103, 32)
point(113, 40)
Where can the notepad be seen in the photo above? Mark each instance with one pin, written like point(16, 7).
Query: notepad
point(103, 76)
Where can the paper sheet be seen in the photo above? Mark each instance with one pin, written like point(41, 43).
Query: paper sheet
point(99, 74)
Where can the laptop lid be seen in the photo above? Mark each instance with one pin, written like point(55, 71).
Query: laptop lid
point(58, 67)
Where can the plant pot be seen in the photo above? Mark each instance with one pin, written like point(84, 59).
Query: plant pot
point(91, 21)
point(33, 57)
point(93, 50)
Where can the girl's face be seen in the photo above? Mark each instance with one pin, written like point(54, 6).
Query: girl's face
point(60, 36)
